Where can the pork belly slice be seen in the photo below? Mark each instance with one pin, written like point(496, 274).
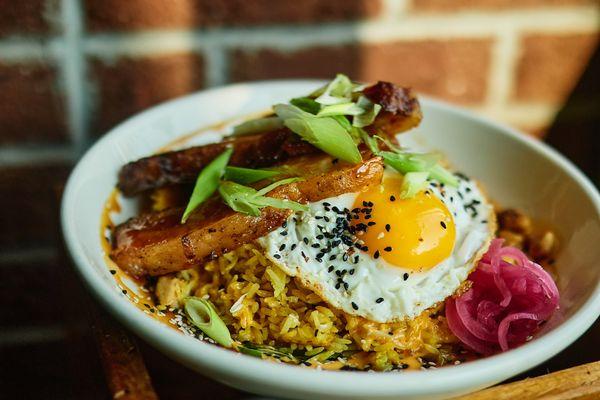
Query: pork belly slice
point(400, 112)
point(157, 243)
point(183, 166)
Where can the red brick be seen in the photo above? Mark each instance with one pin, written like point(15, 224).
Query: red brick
point(131, 85)
point(461, 5)
point(31, 107)
point(454, 69)
point(105, 15)
point(550, 65)
point(29, 200)
point(26, 16)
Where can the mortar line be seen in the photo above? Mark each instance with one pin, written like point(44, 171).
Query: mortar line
point(502, 74)
point(73, 66)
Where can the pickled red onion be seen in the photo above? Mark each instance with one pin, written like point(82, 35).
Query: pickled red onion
point(506, 302)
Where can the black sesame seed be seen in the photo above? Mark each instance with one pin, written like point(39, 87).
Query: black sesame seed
point(282, 247)
point(443, 224)
point(388, 249)
point(345, 257)
point(346, 285)
point(468, 189)
point(315, 245)
point(356, 259)
point(379, 300)
point(351, 272)
point(283, 233)
point(387, 227)
point(354, 305)
point(405, 276)
point(277, 256)
point(484, 221)
point(305, 240)
point(371, 223)
point(338, 273)
point(337, 285)
point(392, 198)
point(284, 225)
point(124, 291)
point(365, 248)
point(112, 271)
point(365, 204)
point(330, 269)
point(293, 247)
point(376, 254)
point(326, 219)
point(331, 258)
point(319, 237)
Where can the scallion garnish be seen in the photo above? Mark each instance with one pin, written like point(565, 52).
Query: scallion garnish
point(324, 133)
point(260, 350)
point(207, 182)
point(258, 126)
point(204, 316)
point(250, 201)
point(339, 90)
point(246, 176)
point(306, 104)
point(413, 183)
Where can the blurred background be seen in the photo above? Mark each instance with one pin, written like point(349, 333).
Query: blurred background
point(72, 69)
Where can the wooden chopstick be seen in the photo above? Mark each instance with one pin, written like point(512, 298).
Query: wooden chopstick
point(126, 373)
point(581, 383)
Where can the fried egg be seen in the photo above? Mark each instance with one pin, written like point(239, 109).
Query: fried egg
point(377, 256)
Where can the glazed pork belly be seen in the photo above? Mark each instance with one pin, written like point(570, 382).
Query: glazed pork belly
point(400, 111)
point(158, 243)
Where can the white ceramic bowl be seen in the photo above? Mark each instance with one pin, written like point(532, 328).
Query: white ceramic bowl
point(517, 171)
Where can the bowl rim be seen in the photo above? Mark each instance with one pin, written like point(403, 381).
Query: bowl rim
point(224, 364)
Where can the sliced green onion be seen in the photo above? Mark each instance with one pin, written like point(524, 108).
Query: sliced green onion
point(260, 350)
point(389, 144)
point(207, 182)
point(413, 162)
point(306, 104)
point(370, 141)
point(258, 126)
point(250, 201)
point(339, 90)
point(274, 185)
point(246, 176)
point(370, 111)
point(413, 183)
point(204, 316)
point(341, 109)
point(441, 174)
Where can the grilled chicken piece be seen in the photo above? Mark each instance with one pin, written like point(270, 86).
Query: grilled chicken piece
point(400, 112)
point(157, 243)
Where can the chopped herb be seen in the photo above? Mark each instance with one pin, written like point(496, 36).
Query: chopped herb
point(257, 125)
point(207, 182)
point(204, 316)
point(246, 176)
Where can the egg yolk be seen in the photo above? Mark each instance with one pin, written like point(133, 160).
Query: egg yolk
point(416, 233)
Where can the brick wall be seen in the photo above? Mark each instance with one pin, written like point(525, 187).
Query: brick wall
point(71, 69)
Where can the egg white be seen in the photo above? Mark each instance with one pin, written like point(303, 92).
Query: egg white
point(405, 292)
